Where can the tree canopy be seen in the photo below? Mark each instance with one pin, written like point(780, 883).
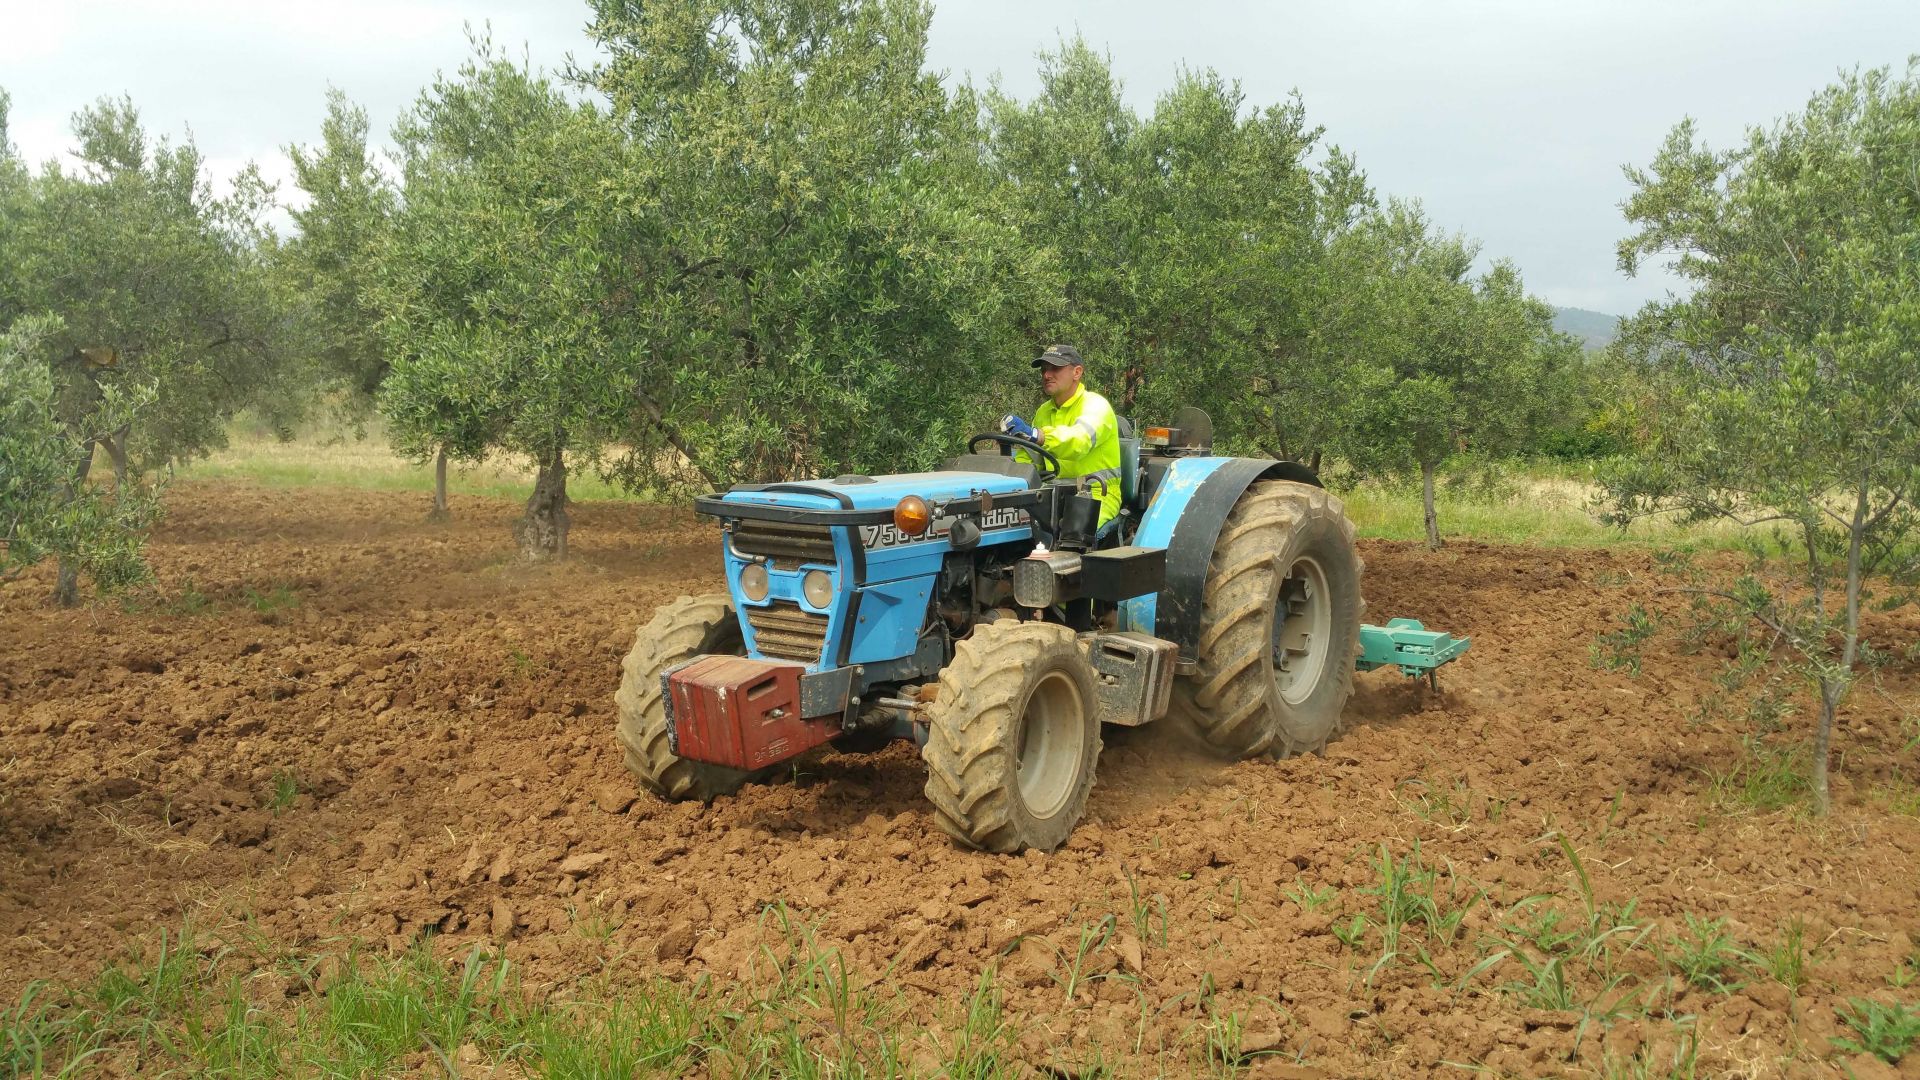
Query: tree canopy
point(150, 282)
point(821, 277)
point(760, 239)
point(350, 205)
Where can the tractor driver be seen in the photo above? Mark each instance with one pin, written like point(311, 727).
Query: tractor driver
point(1077, 425)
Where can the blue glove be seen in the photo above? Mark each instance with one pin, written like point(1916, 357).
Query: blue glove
point(1014, 425)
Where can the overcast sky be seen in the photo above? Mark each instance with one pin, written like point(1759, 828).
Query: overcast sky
point(1510, 121)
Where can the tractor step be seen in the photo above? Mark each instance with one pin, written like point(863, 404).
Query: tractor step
point(1409, 646)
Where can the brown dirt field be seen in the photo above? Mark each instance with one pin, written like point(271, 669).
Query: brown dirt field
point(447, 714)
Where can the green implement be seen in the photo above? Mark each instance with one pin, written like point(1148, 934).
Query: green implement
point(1409, 646)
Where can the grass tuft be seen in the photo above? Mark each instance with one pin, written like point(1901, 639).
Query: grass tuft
point(1705, 955)
point(276, 598)
point(1887, 1031)
point(1786, 959)
point(1655, 1061)
point(284, 790)
point(1766, 777)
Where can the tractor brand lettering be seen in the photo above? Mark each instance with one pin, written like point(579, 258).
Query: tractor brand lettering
point(885, 536)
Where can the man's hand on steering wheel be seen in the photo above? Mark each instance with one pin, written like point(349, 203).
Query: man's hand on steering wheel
point(1043, 458)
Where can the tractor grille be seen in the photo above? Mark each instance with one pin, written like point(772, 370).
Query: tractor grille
point(784, 631)
point(785, 545)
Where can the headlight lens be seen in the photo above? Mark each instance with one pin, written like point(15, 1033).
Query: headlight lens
point(818, 587)
point(753, 581)
point(911, 515)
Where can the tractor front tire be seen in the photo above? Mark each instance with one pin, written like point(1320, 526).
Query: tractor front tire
point(684, 629)
point(1014, 737)
point(1279, 626)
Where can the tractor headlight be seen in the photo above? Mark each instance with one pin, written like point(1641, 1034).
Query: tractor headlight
point(817, 586)
point(911, 516)
point(753, 581)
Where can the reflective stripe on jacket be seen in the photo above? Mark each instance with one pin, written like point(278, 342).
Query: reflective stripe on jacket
point(1085, 435)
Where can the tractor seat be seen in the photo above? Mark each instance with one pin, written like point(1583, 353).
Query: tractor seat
point(1129, 462)
point(1001, 464)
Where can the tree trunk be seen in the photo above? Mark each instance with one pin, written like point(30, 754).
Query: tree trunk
point(440, 511)
point(66, 588)
point(542, 531)
point(1822, 741)
point(1833, 690)
point(1313, 461)
point(1426, 502)
point(117, 450)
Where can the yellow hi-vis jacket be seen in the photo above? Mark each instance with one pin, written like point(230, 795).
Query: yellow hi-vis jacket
point(1085, 435)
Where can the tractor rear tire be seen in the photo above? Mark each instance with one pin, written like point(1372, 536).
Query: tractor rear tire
point(684, 629)
point(1014, 737)
point(1279, 626)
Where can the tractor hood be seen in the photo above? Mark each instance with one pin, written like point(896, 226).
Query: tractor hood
point(862, 507)
point(873, 492)
point(870, 581)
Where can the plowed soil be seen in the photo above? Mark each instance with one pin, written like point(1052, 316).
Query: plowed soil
point(352, 724)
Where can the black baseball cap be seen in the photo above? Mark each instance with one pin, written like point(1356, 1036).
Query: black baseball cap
point(1058, 356)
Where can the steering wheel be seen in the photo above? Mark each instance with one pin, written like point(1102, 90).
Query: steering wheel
point(1009, 443)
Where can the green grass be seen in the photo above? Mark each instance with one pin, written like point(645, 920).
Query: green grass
point(1453, 805)
point(1542, 504)
point(1767, 776)
point(1679, 1062)
point(270, 599)
point(238, 1005)
point(1706, 956)
point(330, 459)
point(1898, 796)
point(1308, 897)
point(1907, 971)
point(1885, 1031)
point(1409, 892)
point(285, 789)
point(1786, 960)
point(193, 1005)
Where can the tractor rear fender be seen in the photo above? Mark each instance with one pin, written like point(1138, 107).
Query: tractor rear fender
point(1190, 504)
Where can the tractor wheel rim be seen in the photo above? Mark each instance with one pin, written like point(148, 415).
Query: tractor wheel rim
point(1302, 630)
point(1052, 736)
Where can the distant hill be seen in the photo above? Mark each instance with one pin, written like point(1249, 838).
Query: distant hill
point(1596, 328)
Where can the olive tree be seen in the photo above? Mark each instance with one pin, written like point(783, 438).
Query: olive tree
point(349, 206)
point(495, 283)
point(1226, 226)
point(155, 283)
point(1785, 387)
point(47, 509)
point(1432, 360)
point(141, 261)
point(348, 209)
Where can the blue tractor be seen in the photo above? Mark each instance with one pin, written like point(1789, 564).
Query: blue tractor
point(979, 613)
